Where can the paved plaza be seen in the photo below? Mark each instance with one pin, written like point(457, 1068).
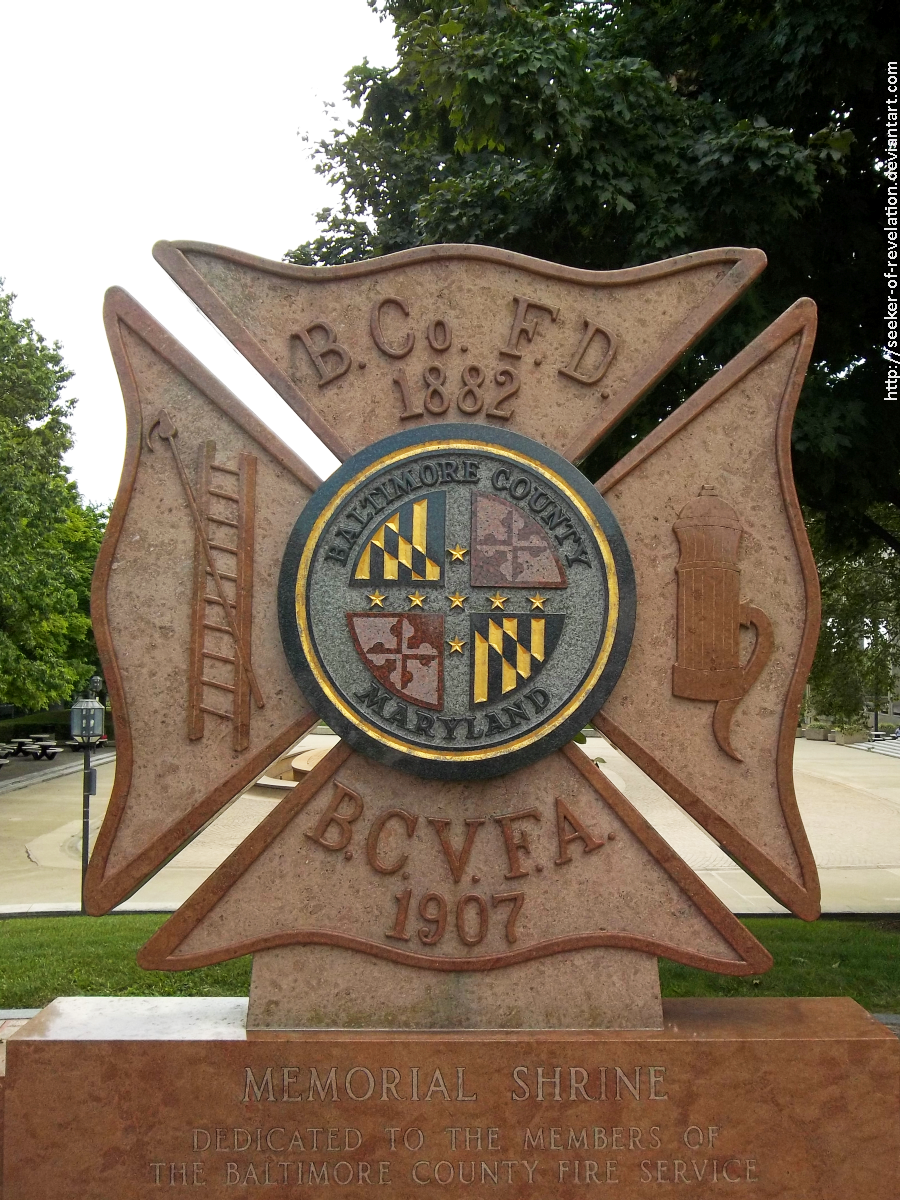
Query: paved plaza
point(850, 802)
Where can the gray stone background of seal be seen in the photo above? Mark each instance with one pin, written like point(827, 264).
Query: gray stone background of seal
point(331, 597)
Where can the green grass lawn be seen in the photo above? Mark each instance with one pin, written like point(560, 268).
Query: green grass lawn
point(44, 957)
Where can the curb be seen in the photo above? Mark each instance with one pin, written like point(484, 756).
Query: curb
point(24, 781)
point(63, 908)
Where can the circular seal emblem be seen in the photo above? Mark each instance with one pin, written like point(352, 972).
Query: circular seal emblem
point(456, 602)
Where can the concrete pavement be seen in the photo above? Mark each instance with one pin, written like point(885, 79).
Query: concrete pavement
point(850, 803)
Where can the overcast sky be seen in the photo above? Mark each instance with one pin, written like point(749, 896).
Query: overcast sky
point(127, 123)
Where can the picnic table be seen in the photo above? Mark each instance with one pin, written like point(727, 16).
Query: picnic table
point(37, 749)
point(46, 750)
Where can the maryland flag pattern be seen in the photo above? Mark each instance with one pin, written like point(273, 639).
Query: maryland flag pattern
point(408, 547)
point(508, 651)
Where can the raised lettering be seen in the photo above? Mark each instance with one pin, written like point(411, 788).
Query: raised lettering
point(374, 698)
point(378, 333)
point(424, 724)
point(398, 933)
point(450, 726)
point(343, 821)
point(565, 817)
point(470, 399)
point(515, 900)
point(375, 833)
point(516, 840)
point(437, 919)
point(516, 714)
point(410, 408)
point(440, 335)
point(508, 382)
point(331, 346)
point(591, 329)
point(522, 326)
point(456, 862)
point(437, 398)
point(398, 715)
point(467, 938)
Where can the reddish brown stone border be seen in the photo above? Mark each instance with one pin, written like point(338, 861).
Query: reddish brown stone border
point(745, 266)
point(799, 321)
point(101, 892)
point(159, 953)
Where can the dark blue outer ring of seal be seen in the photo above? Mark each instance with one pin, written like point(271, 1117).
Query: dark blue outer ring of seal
point(504, 762)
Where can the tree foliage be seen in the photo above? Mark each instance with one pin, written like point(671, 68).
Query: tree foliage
point(605, 135)
point(609, 134)
point(49, 539)
point(858, 656)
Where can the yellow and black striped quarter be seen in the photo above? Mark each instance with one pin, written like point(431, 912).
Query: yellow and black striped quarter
point(509, 650)
point(408, 547)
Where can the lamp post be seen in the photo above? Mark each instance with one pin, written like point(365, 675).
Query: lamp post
point(86, 727)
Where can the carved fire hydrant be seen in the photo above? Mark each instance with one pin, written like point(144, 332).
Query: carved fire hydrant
point(711, 613)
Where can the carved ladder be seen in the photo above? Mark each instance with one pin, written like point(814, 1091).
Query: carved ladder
point(226, 500)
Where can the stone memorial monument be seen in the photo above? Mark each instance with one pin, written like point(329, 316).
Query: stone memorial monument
point(455, 917)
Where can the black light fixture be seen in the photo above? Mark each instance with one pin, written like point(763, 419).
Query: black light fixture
point(86, 726)
point(86, 721)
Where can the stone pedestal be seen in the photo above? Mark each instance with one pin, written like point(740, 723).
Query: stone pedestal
point(323, 987)
point(120, 1099)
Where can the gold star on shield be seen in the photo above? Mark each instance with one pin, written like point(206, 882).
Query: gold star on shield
point(377, 598)
point(497, 601)
point(457, 599)
point(456, 552)
point(537, 601)
point(415, 600)
point(456, 645)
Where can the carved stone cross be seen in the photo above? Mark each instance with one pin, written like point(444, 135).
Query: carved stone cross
point(456, 601)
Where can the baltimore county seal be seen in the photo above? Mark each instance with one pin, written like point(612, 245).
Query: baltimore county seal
point(457, 602)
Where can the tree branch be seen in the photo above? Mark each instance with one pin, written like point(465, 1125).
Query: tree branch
point(879, 531)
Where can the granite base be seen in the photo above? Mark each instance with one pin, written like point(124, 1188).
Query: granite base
point(316, 987)
point(120, 1099)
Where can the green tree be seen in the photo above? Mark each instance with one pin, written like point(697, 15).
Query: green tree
point(858, 656)
point(49, 539)
point(609, 134)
